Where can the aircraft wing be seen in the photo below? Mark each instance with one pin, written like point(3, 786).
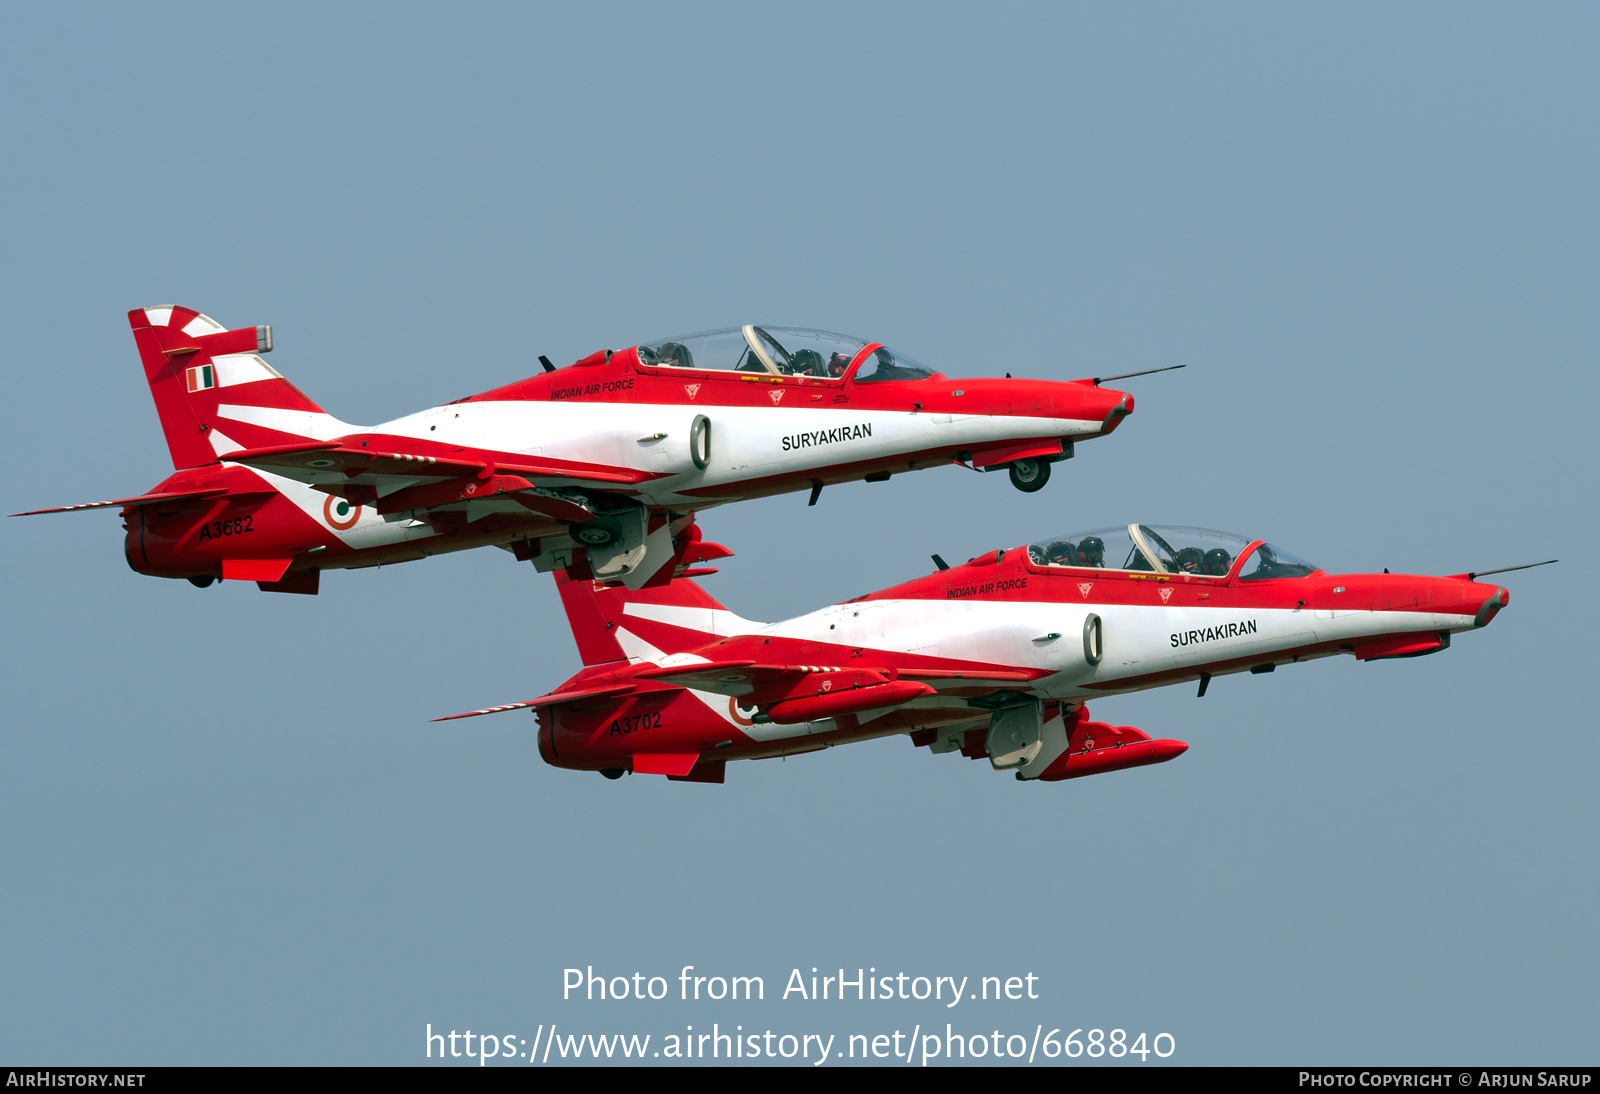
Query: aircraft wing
point(354, 457)
point(554, 698)
point(735, 678)
point(947, 679)
point(140, 499)
point(741, 678)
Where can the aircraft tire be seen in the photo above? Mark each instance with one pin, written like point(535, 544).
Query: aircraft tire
point(596, 533)
point(613, 772)
point(1029, 475)
point(202, 581)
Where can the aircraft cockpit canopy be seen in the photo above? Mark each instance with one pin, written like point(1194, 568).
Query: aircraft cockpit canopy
point(782, 351)
point(1163, 549)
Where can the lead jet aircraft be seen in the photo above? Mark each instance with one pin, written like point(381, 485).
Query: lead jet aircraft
point(604, 455)
point(995, 659)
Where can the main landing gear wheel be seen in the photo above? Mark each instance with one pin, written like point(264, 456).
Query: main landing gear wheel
point(597, 533)
point(613, 772)
point(202, 581)
point(1029, 475)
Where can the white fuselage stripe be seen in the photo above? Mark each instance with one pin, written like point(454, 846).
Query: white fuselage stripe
point(1138, 640)
point(747, 442)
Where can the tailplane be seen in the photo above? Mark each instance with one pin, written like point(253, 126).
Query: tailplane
point(213, 391)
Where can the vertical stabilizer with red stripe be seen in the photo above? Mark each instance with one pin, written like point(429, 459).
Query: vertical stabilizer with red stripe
point(614, 623)
point(213, 391)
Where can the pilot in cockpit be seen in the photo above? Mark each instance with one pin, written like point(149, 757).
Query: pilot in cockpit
point(674, 355)
point(838, 364)
point(1189, 560)
point(805, 362)
point(1217, 562)
point(1091, 552)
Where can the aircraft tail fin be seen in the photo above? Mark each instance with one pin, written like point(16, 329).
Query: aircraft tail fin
point(213, 391)
point(615, 623)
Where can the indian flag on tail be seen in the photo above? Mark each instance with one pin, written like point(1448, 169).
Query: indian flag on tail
point(188, 359)
point(201, 377)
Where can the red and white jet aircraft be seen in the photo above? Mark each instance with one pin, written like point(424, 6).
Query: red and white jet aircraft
point(995, 658)
point(600, 455)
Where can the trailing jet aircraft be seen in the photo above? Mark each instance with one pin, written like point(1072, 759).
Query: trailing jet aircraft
point(993, 659)
point(604, 455)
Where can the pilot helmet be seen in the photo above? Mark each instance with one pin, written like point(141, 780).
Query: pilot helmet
point(805, 362)
point(1059, 553)
point(1189, 560)
point(838, 363)
point(1217, 562)
point(674, 354)
point(1092, 551)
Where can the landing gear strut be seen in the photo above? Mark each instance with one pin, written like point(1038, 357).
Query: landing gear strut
point(597, 533)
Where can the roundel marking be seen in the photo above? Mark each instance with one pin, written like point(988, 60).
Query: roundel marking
point(340, 514)
point(733, 712)
point(322, 462)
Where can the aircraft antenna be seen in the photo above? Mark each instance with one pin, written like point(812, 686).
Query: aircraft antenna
point(1508, 569)
point(1098, 380)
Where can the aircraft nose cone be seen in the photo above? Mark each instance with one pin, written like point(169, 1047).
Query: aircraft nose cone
point(1491, 607)
point(1477, 599)
point(1112, 406)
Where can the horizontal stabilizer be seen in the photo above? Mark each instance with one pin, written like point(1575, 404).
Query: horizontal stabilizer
point(142, 499)
point(555, 698)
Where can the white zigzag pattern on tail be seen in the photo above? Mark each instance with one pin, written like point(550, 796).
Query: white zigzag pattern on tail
point(708, 621)
point(300, 423)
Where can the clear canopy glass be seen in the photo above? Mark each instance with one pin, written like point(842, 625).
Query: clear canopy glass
point(775, 351)
point(1165, 549)
point(884, 363)
point(1270, 562)
point(1088, 549)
